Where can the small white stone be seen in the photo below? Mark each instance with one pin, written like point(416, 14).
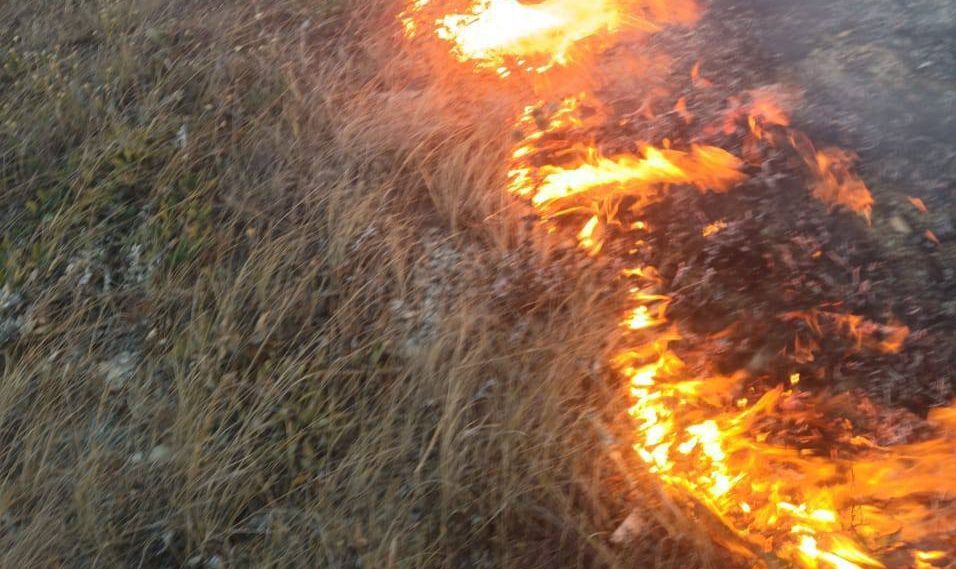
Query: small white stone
point(160, 453)
point(629, 530)
point(118, 371)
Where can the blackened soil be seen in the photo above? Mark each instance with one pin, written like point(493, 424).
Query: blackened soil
point(875, 78)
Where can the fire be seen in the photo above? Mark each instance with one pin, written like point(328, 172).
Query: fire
point(836, 184)
point(591, 176)
point(598, 177)
point(834, 181)
point(785, 499)
point(507, 35)
point(773, 464)
point(589, 238)
point(714, 228)
point(924, 559)
point(503, 35)
point(885, 338)
point(535, 36)
point(766, 110)
point(919, 205)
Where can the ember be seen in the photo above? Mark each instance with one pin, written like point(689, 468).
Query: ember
point(788, 474)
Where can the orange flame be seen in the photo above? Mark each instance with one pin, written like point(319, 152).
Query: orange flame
point(885, 338)
point(706, 167)
point(836, 184)
point(714, 437)
point(834, 181)
point(919, 205)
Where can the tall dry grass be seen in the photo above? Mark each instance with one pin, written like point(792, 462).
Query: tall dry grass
point(265, 305)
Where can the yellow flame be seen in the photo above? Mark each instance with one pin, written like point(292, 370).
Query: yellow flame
point(630, 174)
point(533, 36)
point(588, 238)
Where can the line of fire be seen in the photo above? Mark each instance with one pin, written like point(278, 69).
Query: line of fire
point(784, 465)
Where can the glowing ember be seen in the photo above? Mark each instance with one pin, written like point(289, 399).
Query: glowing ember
point(714, 228)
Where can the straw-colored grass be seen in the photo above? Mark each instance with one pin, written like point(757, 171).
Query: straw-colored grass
point(265, 305)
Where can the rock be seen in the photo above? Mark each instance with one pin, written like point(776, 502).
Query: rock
point(118, 371)
point(900, 226)
point(11, 318)
point(9, 300)
point(160, 453)
point(629, 530)
point(9, 331)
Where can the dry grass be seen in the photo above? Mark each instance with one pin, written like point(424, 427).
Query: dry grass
point(264, 306)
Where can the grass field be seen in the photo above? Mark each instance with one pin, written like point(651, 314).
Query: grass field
point(264, 304)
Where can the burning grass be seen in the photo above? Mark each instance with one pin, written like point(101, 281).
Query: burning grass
point(706, 434)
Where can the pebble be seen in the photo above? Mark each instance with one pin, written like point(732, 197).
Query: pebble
point(118, 371)
point(160, 453)
point(900, 226)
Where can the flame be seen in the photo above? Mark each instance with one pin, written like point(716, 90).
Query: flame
point(706, 167)
point(714, 228)
point(834, 181)
point(681, 109)
point(836, 184)
point(755, 457)
point(766, 110)
point(800, 502)
point(589, 238)
point(696, 79)
point(919, 205)
point(924, 559)
point(885, 338)
point(504, 35)
point(593, 176)
point(499, 34)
